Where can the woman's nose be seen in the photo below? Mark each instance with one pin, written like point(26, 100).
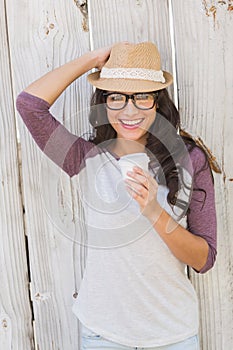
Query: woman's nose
point(130, 108)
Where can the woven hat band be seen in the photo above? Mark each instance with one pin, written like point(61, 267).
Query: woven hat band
point(133, 73)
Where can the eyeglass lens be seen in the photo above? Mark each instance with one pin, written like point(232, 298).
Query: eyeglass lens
point(141, 100)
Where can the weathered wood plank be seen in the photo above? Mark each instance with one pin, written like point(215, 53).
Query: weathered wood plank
point(15, 312)
point(204, 51)
point(50, 35)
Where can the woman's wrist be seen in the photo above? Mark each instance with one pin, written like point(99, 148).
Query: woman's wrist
point(154, 213)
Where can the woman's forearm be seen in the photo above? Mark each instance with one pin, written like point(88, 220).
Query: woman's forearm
point(187, 247)
point(51, 85)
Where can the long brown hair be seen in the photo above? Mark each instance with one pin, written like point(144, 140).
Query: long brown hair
point(163, 141)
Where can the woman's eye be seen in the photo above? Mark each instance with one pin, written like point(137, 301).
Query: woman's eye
point(116, 98)
point(143, 97)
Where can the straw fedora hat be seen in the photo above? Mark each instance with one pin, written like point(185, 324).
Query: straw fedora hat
point(132, 68)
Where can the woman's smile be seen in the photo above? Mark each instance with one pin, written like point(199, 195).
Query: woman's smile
point(131, 124)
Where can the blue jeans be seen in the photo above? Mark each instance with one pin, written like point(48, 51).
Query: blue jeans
point(92, 341)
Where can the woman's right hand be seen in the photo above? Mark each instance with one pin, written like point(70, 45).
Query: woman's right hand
point(101, 55)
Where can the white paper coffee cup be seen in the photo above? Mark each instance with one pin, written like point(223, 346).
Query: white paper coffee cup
point(129, 161)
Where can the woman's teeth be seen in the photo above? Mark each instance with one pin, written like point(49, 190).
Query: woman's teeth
point(131, 122)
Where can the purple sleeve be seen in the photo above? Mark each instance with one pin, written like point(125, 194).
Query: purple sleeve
point(202, 215)
point(65, 149)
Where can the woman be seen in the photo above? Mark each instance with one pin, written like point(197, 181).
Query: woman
point(141, 235)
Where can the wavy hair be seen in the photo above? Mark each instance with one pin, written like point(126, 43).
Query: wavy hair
point(163, 142)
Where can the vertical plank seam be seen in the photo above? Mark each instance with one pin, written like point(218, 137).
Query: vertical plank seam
point(173, 49)
point(91, 39)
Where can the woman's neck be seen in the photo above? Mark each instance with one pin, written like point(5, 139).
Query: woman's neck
point(121, 147)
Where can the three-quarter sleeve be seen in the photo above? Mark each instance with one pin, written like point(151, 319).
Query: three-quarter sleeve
point(202, 213)
point(65, 149)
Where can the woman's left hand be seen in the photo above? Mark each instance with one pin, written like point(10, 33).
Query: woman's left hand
point(143, 188)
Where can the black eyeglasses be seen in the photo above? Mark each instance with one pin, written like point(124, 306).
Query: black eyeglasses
point(141, 100)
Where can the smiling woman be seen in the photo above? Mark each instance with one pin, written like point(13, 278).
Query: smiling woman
point(159, 218)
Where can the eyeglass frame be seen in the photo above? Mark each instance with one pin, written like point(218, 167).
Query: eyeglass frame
point(106, 94)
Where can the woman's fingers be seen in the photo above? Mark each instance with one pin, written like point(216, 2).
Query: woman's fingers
point(143, 177)
point(143, 188)
point(102, 55)
point(137, 197)
point(139, 188)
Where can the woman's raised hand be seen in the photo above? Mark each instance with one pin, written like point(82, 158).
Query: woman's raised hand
point(101, 56)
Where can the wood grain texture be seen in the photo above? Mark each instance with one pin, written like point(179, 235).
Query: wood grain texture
point(204, 51)
point(15, 312)
point(44, 35)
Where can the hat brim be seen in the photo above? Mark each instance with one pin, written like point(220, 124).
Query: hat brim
point(128, 85)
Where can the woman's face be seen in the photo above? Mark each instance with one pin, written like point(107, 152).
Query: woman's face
point(131, 123)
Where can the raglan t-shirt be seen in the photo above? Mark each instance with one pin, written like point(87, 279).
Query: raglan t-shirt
point(134, 290)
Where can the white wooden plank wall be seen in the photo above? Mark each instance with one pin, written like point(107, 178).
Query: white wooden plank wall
point(43, 35)
point(204, 51)
point(15, 313)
